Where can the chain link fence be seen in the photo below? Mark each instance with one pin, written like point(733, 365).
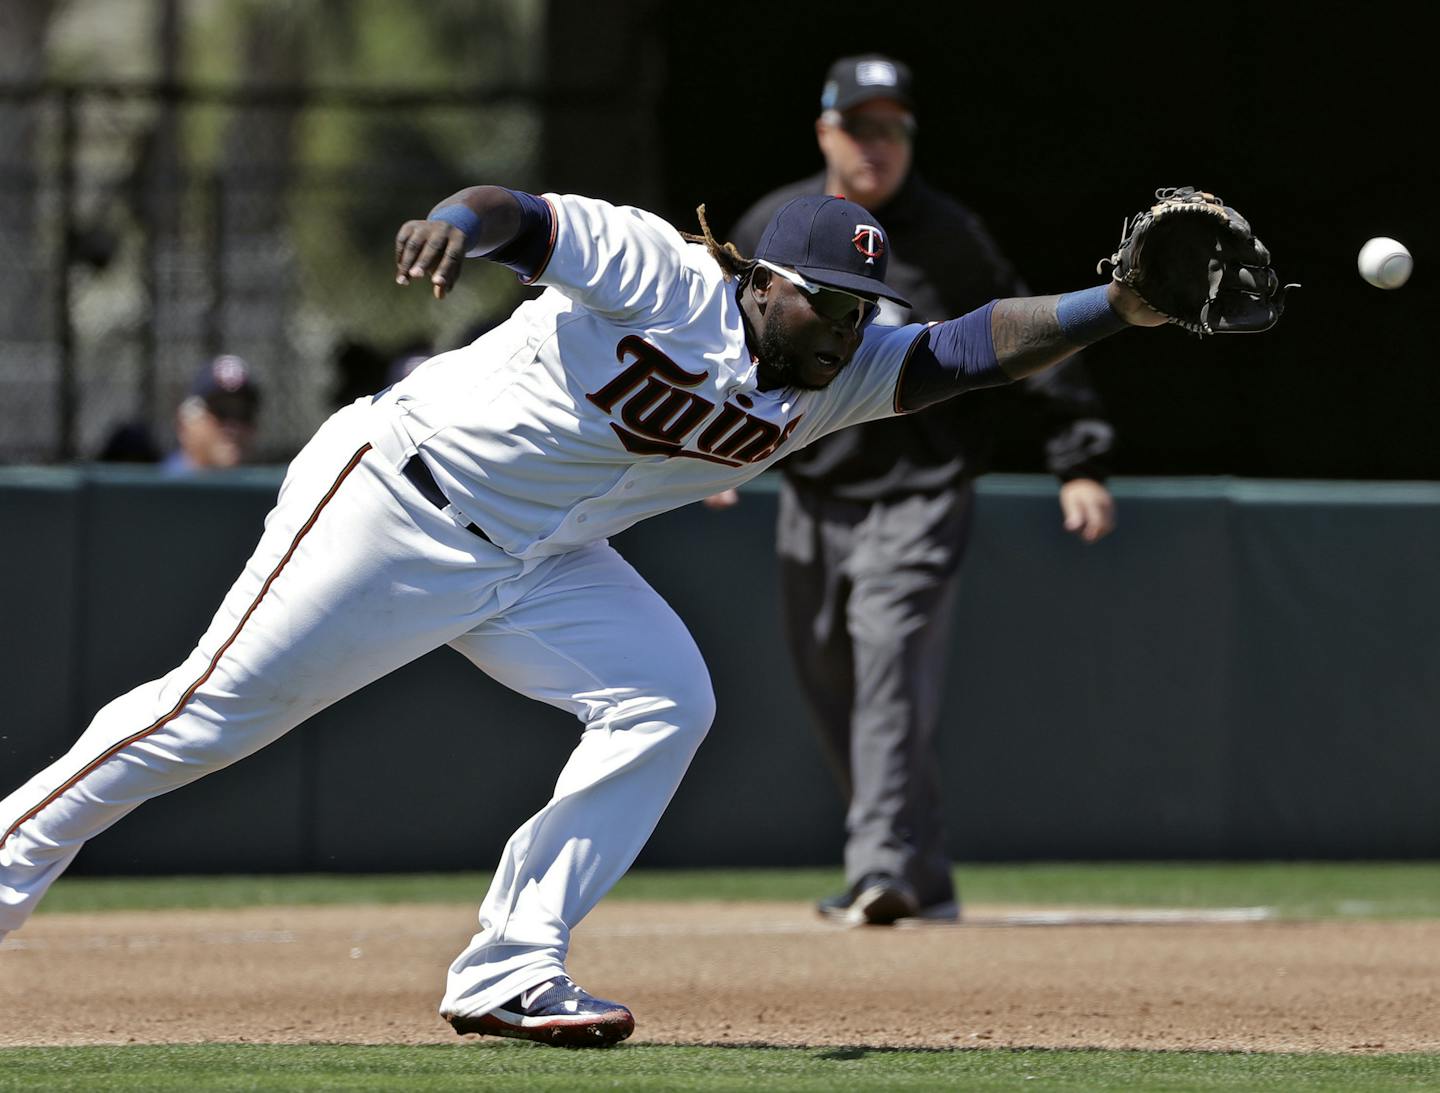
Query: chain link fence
point(148, 228)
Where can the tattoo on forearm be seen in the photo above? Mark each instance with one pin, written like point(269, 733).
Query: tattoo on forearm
point(1027, 335)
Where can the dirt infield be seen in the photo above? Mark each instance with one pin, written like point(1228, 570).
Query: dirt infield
point(755, 973)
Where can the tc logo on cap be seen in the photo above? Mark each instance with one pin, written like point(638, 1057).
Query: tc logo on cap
point(230, 373)
point(869, 242)
point(873, 73)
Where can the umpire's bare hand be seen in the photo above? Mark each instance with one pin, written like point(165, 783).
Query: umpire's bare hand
point(429, 248)
point(1088, 508)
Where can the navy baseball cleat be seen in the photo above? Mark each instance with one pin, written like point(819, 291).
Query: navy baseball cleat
point(555, 1012)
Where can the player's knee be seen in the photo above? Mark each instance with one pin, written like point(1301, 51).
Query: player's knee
point(696, 708)
point(690, 708)
point(684, 710)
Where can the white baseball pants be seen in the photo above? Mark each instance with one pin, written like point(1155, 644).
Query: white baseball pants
point(355, 575)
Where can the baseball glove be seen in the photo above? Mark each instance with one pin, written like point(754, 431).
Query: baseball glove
point(1195, 260)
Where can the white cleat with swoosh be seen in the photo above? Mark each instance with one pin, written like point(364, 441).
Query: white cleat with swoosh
point(555, 1012)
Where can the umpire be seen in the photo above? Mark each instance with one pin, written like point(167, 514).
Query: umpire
point(874, 519)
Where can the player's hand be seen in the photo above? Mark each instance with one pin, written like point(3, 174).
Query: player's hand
point(1130, 307)
point(723, 500)
point(1088, 508)
point(429, 249)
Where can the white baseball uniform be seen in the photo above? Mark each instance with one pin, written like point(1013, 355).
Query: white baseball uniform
point(626, 389)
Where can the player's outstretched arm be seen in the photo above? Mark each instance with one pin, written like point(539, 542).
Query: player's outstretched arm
point(1009, 339)
point(1032, 333)
point(478, 220)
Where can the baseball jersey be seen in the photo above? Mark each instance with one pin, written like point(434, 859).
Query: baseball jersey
point(624, 390)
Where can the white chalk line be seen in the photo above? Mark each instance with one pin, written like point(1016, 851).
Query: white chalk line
point(1120, 917)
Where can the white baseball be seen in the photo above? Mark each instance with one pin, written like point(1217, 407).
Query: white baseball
point(1385, 263)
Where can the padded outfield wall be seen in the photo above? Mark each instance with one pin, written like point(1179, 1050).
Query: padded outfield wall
point(1244, 670)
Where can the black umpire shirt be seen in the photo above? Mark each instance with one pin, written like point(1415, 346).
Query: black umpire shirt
point(943, 259)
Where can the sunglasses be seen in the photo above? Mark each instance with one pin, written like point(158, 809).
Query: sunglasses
point(830, 304)
point(867, 127)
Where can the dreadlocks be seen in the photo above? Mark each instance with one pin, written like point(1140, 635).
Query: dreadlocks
point(732, 262)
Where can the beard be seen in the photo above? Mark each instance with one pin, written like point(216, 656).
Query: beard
point(779, 366)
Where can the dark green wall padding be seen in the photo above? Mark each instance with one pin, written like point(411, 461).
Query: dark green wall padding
point(1243, 670)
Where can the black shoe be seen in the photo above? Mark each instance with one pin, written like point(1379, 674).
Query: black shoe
point(877, 900)
point(555, 1012)
point(944, 911)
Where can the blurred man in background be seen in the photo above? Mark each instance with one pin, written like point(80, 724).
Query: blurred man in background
point(215, 423)
point(874, 519)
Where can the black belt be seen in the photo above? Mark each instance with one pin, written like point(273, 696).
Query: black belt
point(421, 478)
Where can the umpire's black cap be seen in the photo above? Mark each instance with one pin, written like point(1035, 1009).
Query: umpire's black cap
point(853, 80)
point(832, 242)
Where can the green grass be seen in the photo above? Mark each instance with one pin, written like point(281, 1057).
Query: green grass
point(227, 1067)
point(1299, 890)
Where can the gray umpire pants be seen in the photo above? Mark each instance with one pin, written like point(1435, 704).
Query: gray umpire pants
point(868, 590)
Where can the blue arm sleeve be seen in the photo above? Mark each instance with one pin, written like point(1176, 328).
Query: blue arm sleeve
point(527, 252)
point(948, 358)
point(1086, 317)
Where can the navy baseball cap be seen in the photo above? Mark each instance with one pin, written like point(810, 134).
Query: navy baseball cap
point(832, 242)
point(228, 388)
point(853, 80)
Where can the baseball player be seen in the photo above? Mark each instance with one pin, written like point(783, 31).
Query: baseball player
point(469, 505)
